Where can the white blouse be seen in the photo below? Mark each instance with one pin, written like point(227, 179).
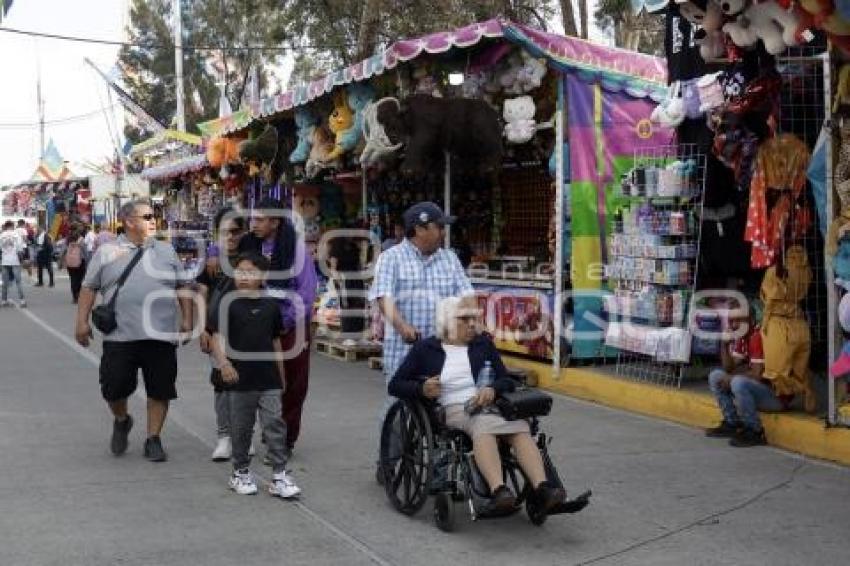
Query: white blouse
point(456, 382)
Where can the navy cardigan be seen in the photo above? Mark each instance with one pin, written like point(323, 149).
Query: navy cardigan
point(427, 357)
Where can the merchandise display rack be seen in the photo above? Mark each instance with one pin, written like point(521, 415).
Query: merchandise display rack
point(652, 270)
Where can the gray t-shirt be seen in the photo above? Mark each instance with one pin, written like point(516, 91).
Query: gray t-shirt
point(147, 307)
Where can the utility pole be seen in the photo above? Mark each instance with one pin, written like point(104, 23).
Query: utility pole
point(178, 64)
point(40, 104)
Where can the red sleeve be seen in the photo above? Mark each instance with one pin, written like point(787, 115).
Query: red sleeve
point(756, 347)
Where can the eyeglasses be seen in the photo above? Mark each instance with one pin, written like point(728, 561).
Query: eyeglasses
point(147, 217)
point(247, 274)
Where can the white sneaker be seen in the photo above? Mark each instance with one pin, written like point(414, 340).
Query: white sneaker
point(22, 304)
point(283, 486)
point(251, 450)
point(5, 303)
point(223, 450)
point(242, 482)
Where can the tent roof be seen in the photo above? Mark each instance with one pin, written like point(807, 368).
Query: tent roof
point(162, 139)
point(51, 167)
point(638, 74)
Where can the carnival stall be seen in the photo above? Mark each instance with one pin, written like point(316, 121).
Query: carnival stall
point(53, 198)
point(185, 191)
point(746, 205)
point(475, 119)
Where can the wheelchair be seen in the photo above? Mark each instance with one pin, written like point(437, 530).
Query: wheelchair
point(420, 456)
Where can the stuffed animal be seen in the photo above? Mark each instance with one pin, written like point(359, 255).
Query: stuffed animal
point(322, 146)
point(731, 8)
point(841, 224)
point(776, 27)
point(474, 85)
point(671, 111)
point(510, 72)
point(378, 144)
point(374, 212)
point(332, 206)
point(222, 151)
point(710, 36)
point(259, 152)
point(530, 75)
point(306, 121)
point(307, 204)
point(359, 95)
point(520, 126)
point(468, 129)
point(340, 121)
point(424, 82)
point(841, 366)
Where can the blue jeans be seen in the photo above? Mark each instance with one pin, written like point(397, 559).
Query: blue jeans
point(743, 400)
point(12, 273)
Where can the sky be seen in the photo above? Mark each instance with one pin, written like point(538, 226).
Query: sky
point(69, 87)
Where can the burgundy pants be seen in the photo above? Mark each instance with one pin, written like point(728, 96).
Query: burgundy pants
point(296, 373)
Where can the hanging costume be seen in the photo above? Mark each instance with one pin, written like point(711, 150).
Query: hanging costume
point(781, 166)
point(785, 330)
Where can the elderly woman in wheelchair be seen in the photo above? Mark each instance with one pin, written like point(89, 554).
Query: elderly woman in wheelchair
point(461, 372)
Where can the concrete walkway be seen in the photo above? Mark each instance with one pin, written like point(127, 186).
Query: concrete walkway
point(663, 494)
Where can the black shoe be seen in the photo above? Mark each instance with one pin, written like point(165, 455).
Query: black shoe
point(548, 496)
point(502, 500)
point(120, 431)
point(154, 451)
point(723, 430)
point(748, 437)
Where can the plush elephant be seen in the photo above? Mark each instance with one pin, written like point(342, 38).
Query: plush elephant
point(468, 129)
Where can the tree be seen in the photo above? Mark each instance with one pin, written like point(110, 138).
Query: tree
point(147, 69)
point(638, 32)
point(345, 32)
point(568, 18)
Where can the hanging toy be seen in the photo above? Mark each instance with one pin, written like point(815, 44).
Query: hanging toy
point(378, 144)
point(841, 366)
point(340, 121)
point(306, 122)
point(259, 152)
point(520, 126)
point(359, 96)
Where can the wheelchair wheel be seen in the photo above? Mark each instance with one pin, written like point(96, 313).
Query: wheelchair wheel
point(444, 512)
point(406, 453)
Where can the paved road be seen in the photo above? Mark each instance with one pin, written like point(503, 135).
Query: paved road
point(663, 493)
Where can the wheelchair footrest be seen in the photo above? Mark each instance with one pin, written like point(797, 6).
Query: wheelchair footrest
point(573, 505)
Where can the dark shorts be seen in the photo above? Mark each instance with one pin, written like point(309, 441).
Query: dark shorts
point(121, 362)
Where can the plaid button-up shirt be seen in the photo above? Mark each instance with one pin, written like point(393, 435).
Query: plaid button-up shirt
point(415, 283)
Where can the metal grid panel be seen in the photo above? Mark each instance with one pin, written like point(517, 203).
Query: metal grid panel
point(653, 263)
point(803, 113)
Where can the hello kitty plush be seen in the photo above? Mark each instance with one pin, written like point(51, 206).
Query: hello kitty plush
point(520, 126)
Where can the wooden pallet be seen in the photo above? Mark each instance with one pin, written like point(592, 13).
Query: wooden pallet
point(339, 351)
point(376, 362)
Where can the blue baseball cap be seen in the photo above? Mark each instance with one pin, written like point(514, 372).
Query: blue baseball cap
point(423, 213)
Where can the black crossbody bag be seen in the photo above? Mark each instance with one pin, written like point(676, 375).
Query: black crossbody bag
point(103, 316)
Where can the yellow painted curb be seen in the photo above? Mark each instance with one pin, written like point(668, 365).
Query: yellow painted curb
point(792, 431)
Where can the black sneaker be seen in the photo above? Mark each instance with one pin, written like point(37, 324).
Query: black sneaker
point(748, 437)
point(120, 432)
point(154, 451)
point(723, 430)
point(502, 500)
point(548, 496)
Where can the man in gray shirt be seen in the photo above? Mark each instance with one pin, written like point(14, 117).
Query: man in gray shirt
point(146, 311)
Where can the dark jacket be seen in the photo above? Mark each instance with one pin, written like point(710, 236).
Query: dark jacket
point(427, 357)
point(283, 254)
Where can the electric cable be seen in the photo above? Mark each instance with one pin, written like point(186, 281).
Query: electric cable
point(184, 47)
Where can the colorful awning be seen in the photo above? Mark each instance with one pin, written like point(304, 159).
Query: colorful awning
point(638, 74)
point(176, 168)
